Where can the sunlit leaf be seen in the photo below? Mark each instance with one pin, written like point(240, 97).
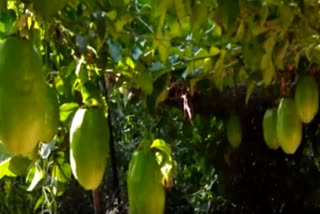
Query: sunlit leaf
point(164, 159)
point(35, 175)
point(199, 65)
point(161, 145)
point(112, 14)
point(4, 165)
point(214, 51)
point(66, 109)
point(58, 174)
point(175, 29)
point(90, 94)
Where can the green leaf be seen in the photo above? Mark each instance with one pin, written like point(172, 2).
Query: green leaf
point(58, 188)
point(214, 51)
point(175, 29)
point(228, 11)
point(180, 9)
point(183, 18)
point(81, 72)
point(57, 175)
point(66, 109)
point(38, 203)
point(240, 31)
point(252, 53)
point(35, 175)
point(219, 69)
point(7, 18)
point(249, 90)
point(199, 65)
point(161, 85)
point(159, 93)
point(160, 8)
point(90, 94)
point(199, 16)
point(144, 81)
point(161, 145)
point(19, 165)
point(286, 14)
point(267, 66)
point(162, 43)
point(136, 74)
point(268, 70)
point(62, 170)
point(122, 21)
point(4, 165)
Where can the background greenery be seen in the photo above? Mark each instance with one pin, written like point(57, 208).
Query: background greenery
point(176, 68)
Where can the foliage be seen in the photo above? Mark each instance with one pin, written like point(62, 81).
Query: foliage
point(173, 70)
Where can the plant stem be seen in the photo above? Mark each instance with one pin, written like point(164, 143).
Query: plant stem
point(96, 201)
point(113, 161)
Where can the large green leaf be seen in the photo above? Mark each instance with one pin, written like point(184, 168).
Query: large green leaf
point(19, 165)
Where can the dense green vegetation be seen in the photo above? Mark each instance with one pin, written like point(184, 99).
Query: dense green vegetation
point(184, 90)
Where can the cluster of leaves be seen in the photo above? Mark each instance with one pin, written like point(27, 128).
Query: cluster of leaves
point(146, 55)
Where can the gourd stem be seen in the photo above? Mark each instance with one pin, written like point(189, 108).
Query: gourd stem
point(96, 201)
point(147, 138)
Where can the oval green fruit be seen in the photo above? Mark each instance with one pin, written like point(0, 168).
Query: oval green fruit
point(89, 146)
point(269, 128)
point(289, 126)
point(52, 113)
point(21, 96)
point(234, 130)
point(145, 190)
point(307, 98)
